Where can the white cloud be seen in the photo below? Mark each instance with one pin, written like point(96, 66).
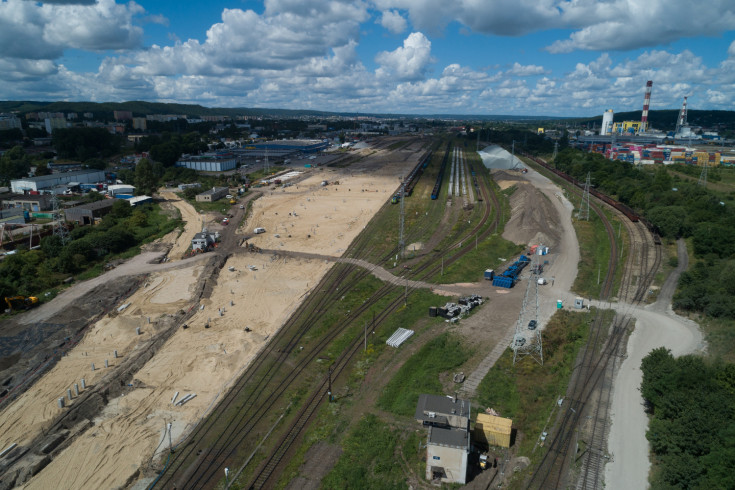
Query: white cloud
point(519, 70)
point(608, 25)
point(407, 62)
point(393, 21)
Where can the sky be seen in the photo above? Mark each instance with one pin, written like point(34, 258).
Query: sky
point(517, 57)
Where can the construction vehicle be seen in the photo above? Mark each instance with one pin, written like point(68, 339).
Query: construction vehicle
point(232, 201)
point(16, 303)
point(484, 463)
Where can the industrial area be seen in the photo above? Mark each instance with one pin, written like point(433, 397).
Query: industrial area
point(204, 361)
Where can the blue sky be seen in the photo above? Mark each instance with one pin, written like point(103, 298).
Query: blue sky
point(521, 57)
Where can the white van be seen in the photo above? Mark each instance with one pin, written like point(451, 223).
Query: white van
point(258, 231)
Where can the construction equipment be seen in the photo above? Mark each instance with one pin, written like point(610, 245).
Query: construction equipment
point(232, 201)
point(16, 303)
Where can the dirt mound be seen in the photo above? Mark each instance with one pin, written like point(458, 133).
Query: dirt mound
point(534, 219)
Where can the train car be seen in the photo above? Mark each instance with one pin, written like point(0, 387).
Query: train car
point(438, 185)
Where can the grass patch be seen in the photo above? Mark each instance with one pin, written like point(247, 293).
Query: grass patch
point(489, 254)
point(594, 256)
point(420, 374)
point(720, 336)
point(368, 460)
point(526, 392)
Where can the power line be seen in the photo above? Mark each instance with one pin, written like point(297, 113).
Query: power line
point(59, 227)
point(584, 207)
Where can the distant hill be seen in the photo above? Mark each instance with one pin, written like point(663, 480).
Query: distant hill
point(141, 108)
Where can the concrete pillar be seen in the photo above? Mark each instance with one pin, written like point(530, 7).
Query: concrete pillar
point(61, 402)
point(107, 363)
point(76, 389)
point(68, 393)
point(137, 331)
point(92, 366)
point(115, 354)
point(84, 384)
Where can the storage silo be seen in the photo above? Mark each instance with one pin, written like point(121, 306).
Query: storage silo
point(607, 122)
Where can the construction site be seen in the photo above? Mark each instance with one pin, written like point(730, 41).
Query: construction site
point(209, 370)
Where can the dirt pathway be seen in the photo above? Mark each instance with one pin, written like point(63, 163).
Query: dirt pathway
point(656, 326)
point(192, 220)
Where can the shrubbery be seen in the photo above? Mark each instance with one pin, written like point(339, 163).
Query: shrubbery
point(30, 272)
point(692, 429)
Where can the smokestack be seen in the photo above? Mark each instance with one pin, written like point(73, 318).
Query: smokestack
point(646, 103)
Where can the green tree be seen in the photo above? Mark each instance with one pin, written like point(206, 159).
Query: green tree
point(14, 164)
point(42, 169)
point(145, 179)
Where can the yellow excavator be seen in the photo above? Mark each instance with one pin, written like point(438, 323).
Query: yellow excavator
point(16, 303)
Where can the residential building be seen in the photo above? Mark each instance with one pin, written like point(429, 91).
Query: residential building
point(52, 123)
point(122, 115)
point(139, 123)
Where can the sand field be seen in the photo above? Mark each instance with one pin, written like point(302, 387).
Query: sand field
point(309, 217)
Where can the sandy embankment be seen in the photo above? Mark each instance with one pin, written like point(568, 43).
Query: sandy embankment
point(206, 361)
point(35, 409)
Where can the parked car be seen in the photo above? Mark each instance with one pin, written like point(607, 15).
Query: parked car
point(532, 325)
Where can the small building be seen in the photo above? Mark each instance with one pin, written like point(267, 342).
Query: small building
point(447, 451)
point(30, 202)
point(438, 410)
point(203, 241)
point(491, 430)
point(85, 214)
point(448, 443)
point(213, 194)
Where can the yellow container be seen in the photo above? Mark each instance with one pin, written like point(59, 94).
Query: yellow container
point(493, 431)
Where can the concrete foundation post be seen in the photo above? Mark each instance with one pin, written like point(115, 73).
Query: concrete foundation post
point(84, 384)
point(61, 402)
point(92, 366)
point(107, 363)
point(68, 393)
point(76, 389)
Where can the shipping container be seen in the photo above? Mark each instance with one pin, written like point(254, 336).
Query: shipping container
point(503, 282)
point(493, 431)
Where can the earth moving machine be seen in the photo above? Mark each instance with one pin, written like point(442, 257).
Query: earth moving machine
point(16, 303)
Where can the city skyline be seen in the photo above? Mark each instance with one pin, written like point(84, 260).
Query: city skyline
point(555, 58)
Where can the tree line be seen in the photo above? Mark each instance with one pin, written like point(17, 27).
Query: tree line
point(692, 427)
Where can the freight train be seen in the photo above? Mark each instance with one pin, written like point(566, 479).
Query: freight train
point(626, 210)
point(413, 177)
point(438, 186)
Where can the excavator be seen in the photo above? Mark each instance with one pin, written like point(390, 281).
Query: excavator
point(16, 303)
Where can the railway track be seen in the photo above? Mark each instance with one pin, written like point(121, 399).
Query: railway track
point(594, 374)
point(265, 473)
point(256, 395)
